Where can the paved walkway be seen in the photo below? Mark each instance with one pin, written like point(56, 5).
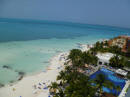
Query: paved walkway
point(128, 93)
point(124, 91)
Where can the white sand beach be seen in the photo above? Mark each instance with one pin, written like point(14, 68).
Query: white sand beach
point(36, 85)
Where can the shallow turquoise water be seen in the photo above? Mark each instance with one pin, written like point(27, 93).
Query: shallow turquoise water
point(27, 45)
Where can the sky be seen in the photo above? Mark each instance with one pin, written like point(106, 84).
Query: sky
point(103, 12)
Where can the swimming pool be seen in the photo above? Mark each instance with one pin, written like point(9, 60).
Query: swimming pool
point(111, 77)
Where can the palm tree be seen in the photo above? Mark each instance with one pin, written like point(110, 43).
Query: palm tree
point(65, 76)
point(81, 87)
point(118, 89)
point(68, 69)
point(56, 90)
point(60, 93)
point(115, 49)
point(75, 57)
point(74, 54)
point(94, 60)
point(108, 84)
point(88, 58)
point(79, 58)
point(114, 61)
point(117, 61)
point(53, 87)
point(122, 62)
point(101, 81)
point(61, 76)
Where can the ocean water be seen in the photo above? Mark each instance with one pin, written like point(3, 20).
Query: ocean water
point(28, 45)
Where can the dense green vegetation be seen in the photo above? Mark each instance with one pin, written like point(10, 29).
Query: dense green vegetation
point(79, 58)
point(128, 54)
point(100, 82)
point(128, 63)
point(73, 83)
point(104, 47)
point(119, 60)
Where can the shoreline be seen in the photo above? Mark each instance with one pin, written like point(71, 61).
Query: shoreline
point(31, 74)
point(40, 81)
point(35, 85)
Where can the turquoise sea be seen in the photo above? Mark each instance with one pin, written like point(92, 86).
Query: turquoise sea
point(28, 45)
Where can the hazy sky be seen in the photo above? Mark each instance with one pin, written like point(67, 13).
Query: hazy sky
point(104, 12)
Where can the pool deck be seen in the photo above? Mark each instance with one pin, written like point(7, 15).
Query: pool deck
point(123, 92)
point(128, 92)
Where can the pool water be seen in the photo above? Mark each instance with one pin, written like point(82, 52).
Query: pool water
point(111, 77)
point(28, 45)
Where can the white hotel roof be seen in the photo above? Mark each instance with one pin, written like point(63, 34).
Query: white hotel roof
point(105, 56)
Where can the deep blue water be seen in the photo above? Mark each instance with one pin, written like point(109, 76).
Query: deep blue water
point(22, 30)
point(28, 45)
point(111, 77)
